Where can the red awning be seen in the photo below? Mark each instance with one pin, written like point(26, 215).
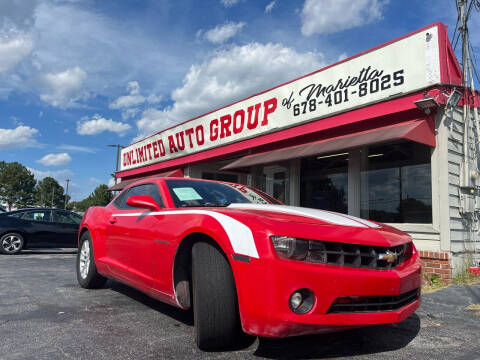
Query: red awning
point(122, 184)
point(414, 130)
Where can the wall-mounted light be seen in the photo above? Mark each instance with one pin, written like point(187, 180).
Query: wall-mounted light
point(426, 104)
point(454, 98)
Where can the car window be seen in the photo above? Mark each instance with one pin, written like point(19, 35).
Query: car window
point(119, 201)
point(16, 214)
point(143, 189)
point(38, 215)
point(67, 217)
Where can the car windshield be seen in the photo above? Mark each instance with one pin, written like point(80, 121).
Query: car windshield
point(188, 193)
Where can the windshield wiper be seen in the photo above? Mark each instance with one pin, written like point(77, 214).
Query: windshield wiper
point(223, 204)
point(208, 204)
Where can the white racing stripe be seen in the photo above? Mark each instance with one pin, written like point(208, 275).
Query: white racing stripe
point(240, 235)
point(330, 217)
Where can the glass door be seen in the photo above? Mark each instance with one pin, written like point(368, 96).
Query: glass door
point(277, 182)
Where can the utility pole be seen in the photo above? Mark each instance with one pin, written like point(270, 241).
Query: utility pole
point(468, 82)
point(119, 148)
point(66, 194)
point(470, 154)
point(53, 193)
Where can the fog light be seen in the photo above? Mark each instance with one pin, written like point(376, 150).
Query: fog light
point(302, 301)
point(296, 300)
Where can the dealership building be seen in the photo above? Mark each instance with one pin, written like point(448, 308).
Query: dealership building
point(387, 135)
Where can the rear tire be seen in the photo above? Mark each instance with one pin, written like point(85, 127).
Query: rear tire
point(11, 243)
point(87, 274)
point(215, 305)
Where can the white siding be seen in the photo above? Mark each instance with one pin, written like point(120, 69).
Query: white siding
point(463, 234)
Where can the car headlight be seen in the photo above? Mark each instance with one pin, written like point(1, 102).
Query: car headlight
point(290, 248)
point(299, 249)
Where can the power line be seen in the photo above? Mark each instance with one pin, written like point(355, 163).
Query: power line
point(474, 61)
point(469, 9)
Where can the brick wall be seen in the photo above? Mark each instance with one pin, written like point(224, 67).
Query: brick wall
point(437, 263)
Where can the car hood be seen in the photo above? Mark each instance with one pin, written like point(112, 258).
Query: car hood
point(296, 214)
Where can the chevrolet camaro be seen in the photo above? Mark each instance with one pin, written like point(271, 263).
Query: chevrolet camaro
point(244, 261)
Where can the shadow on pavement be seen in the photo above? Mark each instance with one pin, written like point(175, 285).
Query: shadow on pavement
point(183, 316)
point(369, 340)
point(364, 341)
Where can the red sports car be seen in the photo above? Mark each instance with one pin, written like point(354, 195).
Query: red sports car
point(245, 261)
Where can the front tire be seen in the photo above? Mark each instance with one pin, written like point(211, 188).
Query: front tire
point(11, 243)
point(87, 274)
point(215, 305)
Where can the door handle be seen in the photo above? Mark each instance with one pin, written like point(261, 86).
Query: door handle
point(113, 220)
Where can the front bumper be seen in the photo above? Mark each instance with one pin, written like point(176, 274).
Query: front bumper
point(264, 287)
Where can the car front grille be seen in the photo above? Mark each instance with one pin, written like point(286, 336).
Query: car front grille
point(356, 304)
point(362, 256)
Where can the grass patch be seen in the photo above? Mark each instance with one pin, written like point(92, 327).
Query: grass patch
point(429, 288)
point(466, 278)
point(432, 284)
point(473, 307)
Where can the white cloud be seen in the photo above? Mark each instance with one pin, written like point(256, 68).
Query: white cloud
point(93, 180)
point(133, 99)
point(270, 6)
point(153, 99)
point(13, 49)
point(111, 182)
point(64, 88)
point(105, 47)
point(229, 74)
point(221, 33)
point(55, 159)
point(77, 148)
point(130, 113)
point(127, 103)
point(59, 175)
point(329, 16)
point(229, 3)
point(98, 124)
point(20, 137)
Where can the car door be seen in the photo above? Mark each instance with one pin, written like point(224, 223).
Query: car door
point(67, 224)
point(42, 230)
point(131, 237)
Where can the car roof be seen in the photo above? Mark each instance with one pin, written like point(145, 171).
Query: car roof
point(158, 179)
point(35, 209)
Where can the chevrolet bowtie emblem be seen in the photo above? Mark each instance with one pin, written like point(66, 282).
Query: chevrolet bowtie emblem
point(388, 256)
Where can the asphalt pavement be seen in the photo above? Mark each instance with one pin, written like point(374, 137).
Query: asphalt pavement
point(44, 314)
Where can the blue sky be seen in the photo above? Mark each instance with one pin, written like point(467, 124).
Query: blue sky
point(76, 76)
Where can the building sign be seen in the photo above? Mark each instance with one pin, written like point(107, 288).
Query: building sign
point(403, 66)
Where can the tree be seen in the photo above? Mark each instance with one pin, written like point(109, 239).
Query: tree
point(17, 185)
point(99, 197)
point(49, 193)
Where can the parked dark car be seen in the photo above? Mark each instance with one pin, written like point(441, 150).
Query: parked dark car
point(38, 228)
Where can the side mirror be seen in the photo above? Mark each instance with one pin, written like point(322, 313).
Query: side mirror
point(143, 202)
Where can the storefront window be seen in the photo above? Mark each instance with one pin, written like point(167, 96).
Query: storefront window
point(220, 177)
point(273, 180)
point(396, 184)
point(324, 182)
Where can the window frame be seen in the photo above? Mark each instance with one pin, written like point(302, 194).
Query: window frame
point(124, 195)
point(56, 212)
point(33, 211)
